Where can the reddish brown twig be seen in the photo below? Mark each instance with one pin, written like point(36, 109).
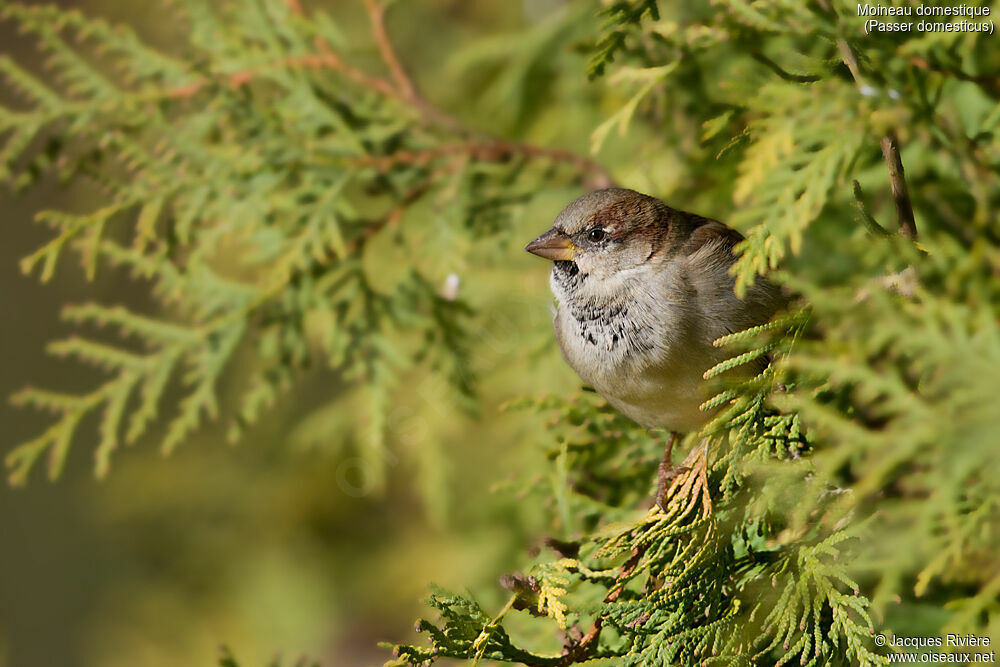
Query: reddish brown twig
point(376, 13)
point(391, 219)
point(487, 149)
point(597, 176)
point(335, 62)
point(493, 150)
point(582, 649)
point(402, 88)
point(326, 60)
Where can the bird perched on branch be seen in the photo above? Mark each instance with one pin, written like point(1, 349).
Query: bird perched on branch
point(643, 290)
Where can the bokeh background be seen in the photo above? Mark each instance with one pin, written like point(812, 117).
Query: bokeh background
point(309, 538)
point(282, 544)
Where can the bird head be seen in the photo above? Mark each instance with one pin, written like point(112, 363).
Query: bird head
point(606, 232)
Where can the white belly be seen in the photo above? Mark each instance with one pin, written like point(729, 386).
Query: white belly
point(668, 401)
point(653, 375)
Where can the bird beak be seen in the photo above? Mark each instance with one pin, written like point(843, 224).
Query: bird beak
point(553, 245)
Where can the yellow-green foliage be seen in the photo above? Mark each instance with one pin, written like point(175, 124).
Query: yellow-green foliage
point(857, 460)
point(263, 144)
point(842, 492)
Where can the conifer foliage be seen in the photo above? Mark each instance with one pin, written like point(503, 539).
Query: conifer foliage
point(820, 472)
point(263, 138)
point(843, 492)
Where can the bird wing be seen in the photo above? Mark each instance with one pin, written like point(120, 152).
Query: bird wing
point(707, 235)
point(709, 256)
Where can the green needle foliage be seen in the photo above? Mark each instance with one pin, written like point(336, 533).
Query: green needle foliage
point(262, 141)
point(844, 491)
point(856, 460)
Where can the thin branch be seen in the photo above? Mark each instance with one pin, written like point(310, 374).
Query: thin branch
point(491, 150)
point(890, 151)
point(777, 69)
point(584, 648)
point(479, 147)
point(897, 181)
point(376, 13)
point(871, 224)
point(850, 59)
point(598, 175)
point(404, 88)
point(325, 60)
point(990, 83)
point(391, 219)
point(335, 62)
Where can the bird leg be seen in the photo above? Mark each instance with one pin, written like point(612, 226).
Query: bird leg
point(667, 472)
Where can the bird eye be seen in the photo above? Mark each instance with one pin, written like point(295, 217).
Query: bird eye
point(596, 234)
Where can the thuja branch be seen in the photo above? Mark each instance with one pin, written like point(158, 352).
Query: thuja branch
point(266, 145)
point(479, 146)
point(404, 84)
point(487, 148)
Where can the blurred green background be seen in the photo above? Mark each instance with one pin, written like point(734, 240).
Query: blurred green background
point(295, 542)
point(308, 537)
point(283, 544)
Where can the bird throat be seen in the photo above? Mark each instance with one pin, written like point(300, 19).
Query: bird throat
point(601, 324)
point(568, 267)
point(567, 276)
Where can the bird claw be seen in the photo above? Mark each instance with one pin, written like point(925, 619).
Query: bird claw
point(667, 473)
point(665, 478)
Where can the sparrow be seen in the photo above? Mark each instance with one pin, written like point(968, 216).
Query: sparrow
point(643, 290)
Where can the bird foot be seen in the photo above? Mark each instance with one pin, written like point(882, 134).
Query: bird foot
point(665, 476)
point(667, 473)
